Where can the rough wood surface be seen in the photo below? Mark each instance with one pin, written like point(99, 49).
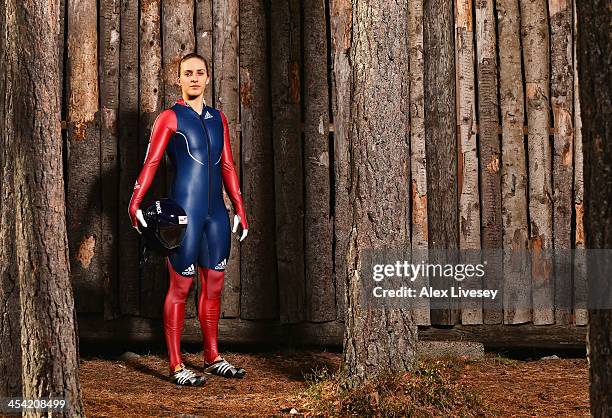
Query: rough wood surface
point(441, 135)
point(517, 283)
point(154, 274)
point(204, 40)
point(259, 287)
point(288, 175)
point(129, 163)
point(561, 92)
point(595, 72)
point(109, 101)
point(226, 98)
point(83, 162)
point(534, 31)
point(10, 324)
point(418, 164)
point(341, 35)
point(581, 315)
point(467, 155)
point(380, 217)
point(490, 154)
point(320, 290)
point(48, 331)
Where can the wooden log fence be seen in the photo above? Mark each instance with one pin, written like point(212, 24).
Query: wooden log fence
point(494, 139)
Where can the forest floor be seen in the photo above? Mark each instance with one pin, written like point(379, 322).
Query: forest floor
point(279, 381)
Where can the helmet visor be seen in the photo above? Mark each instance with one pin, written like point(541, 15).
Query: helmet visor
point(171, 235)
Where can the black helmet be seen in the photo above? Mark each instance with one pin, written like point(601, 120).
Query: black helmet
point(166, 225)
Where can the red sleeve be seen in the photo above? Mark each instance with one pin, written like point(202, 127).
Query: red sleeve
point(230, 178)
point(163, 128)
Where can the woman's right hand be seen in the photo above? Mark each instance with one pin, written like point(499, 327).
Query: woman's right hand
point(136, 217)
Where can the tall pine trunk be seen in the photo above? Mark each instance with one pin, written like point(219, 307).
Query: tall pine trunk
point(378, 340)
point(48, 333)
point(595, 49)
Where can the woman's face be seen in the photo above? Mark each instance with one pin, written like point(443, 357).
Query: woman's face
point(193, 78)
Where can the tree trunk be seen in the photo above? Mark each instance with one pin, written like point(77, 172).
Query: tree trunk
point(595, 56)
point(581, 314)
point(10, 331)
point(469, 196)
point(534, 28)
point(204, 40)
point(128, 154)
point(561, 90)
point(154, 283)
point(48, 337)
point(109, 100)
point(341, 27)
point(259, 292)
point(317, 225)
point(517, 283)
point(378, 340)
point(288, 174)
point(418, 165)
point(83, 162)
point(226, 98)
point(490, 154)
point(441, 143)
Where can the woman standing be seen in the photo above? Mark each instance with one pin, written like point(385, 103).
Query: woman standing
point(196, 138)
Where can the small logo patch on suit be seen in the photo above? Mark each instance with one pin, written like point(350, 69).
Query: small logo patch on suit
point(208, 115)
point(221, 265)
point(189, 271)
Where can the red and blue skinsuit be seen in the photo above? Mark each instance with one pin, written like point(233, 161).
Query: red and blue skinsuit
point(199, 147)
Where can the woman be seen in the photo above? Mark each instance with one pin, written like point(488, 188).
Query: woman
point(196, 138)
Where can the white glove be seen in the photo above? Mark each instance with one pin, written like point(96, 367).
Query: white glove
point(235, 228)
point(140, 219)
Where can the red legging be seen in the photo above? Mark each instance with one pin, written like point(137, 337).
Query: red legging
point(209, 308)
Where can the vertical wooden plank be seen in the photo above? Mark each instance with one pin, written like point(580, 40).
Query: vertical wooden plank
point(581, 314)
point(341, 24)
point(225, 42)
point(288, 175)
point(129, 288)
point(178, 40)
point(517, 283)
point(418, 165)
point(204, 40)
point(561, 90)
point(467, 156)
point(154, 283)
point(441, 139)
point(83, 172)
point(534, 30)
point(320, 292)
point(259, 288)
point(62, 45)
point(109, 101)
point(490, 154)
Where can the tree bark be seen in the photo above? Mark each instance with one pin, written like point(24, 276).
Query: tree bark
point(288, 168)
point(534, 29)
point(441, 143)
point(378, 340)
point(561, 89)
point(48, 332)
point(418, 164)
point(517, 283)
point(154, 283)
point(581, 314)
point(128, 154)
point(83, 162)
point(226, 98)
point(467, 156)
point(259, 287)
point(490, 153)
point(10, 331)
point(110, 12)
point(595, 57)
point(341, 34)
point(204, 40)
point(317, 225)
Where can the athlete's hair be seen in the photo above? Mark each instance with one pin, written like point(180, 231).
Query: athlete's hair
point(193, 55)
